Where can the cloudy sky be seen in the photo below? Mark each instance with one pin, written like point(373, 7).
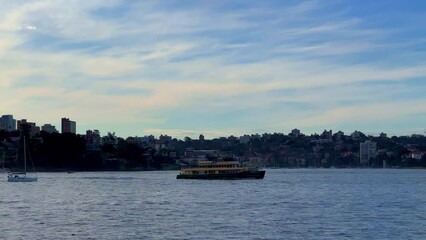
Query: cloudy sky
point(183, 67)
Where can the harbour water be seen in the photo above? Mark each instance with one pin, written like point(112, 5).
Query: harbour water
point(287, 204)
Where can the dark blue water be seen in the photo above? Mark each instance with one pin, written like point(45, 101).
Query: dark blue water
point(287, 204)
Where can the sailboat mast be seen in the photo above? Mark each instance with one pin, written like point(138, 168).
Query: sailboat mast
point(25, 157)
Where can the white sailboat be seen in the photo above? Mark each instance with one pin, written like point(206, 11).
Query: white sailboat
point(22, 176)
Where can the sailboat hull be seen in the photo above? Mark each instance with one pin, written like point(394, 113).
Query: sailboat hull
point(22, 179)
point(22, 176)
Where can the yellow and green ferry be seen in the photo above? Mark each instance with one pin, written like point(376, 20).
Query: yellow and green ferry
point(220, 170)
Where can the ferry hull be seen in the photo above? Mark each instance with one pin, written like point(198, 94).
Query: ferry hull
point(242, 175)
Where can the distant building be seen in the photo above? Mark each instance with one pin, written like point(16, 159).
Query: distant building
point(142, 141)
point(367, 150)
point(134, 140)
point(49, 128)
point(7, 123)
point(417, 154)
point(295, 132)
point(256, 136)
point(68, 126)
point(164, 139)
point(338, 137)
point(232, 138)
point(34, 129)
point(93, 140)
point(111, 139)
point(163, 142)
point(357, 135)
point(191, 155)
point(245, 139)
point(266, 136)
point(201, 137)
point(322, 141)
point(150, 139)
point(327, 134)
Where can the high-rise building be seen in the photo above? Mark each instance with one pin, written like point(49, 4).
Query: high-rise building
point(33, 128)
point(68, 126)
point(367, 150)
point(7, 123)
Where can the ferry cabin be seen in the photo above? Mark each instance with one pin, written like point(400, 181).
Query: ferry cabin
point(210, 167)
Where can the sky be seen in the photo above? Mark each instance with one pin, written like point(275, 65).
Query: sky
point(218, 68)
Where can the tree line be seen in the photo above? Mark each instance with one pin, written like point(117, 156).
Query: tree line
point(68, 152)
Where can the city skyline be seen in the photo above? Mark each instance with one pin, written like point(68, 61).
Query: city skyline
point(221, 68)
point(10, 124)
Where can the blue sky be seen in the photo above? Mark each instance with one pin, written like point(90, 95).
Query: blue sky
point(218, 68)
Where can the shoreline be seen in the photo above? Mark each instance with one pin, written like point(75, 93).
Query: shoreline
point(151, 170)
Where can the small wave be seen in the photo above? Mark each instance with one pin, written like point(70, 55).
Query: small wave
point(9, 201)
point(108, 178)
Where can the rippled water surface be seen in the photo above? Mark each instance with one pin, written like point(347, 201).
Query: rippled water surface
point(287, 204)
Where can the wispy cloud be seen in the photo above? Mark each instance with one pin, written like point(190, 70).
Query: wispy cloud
point(361, 114)
point(273, 64)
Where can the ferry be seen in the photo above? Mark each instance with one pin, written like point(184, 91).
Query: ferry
point(220, 170)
